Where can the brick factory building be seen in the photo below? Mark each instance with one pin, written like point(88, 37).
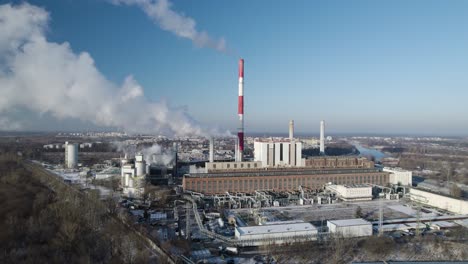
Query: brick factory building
point(318, 172)
point(248, 182)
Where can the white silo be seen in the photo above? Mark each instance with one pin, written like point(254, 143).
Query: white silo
point(71, 155)
point(140, 165)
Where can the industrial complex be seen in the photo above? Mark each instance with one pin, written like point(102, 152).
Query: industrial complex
point(274, 195)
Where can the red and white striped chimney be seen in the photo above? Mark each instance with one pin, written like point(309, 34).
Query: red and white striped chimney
point(240, 132)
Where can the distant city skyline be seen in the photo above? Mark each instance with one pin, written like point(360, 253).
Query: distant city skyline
point(365, 67)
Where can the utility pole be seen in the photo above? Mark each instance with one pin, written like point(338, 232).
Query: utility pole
point(187, 221)
point(417, 201)
point(380, 216)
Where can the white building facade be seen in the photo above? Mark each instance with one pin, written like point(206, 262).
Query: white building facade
point(457, 206)
point(399, 176)
point(279, 153)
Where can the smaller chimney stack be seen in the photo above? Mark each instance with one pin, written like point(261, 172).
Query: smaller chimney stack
point(322, 137)
point(291, 130)
point(211, 149)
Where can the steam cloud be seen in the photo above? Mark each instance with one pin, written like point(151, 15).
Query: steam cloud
point(185, 27)
point(47, 77)
point(154, 154)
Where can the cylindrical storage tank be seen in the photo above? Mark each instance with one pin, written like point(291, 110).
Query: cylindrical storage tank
point(127, 176)
point(71, 155)
point(140, 168)
point(140, 165)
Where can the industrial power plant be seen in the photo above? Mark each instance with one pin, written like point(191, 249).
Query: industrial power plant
point(248, 192)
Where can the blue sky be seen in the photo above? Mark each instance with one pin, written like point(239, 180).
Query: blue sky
point(363, 66)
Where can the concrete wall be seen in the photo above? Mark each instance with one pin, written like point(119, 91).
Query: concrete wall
point(440, 201)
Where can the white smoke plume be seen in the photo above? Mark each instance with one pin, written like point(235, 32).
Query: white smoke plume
point(157, 155)
point(154, 154)
point(49, 78)
point(182, 26)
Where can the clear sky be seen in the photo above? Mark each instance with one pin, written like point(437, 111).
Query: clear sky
point(363, 66)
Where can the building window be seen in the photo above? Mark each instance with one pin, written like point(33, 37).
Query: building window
point(248, 165)
point(228, 165)
point(214, 166)
point(235, 166)
point(255, 165)
point(242, 165)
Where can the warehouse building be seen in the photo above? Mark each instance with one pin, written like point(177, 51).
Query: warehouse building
point(350, 227)
point(278, 180)
point(352, 192)
point(457, 206)
point(276, 233)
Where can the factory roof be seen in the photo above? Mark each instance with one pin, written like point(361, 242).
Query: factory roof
point(398, 169)
point(444, 224)
point(427, 218)
point(351, 186)
point(282, 172)
point(274, 140)
point(357, 185)
point(463, 222)
point(276, 228)
point(284, 222)
point(350, 222)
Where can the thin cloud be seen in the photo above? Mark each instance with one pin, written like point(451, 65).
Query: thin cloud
point(182, 26)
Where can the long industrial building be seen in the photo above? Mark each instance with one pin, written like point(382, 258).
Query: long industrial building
point(287, 180)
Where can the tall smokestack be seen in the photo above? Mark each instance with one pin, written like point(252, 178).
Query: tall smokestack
point(240, 133)
point(211, 149)
point(322, 137)
point(291, 130)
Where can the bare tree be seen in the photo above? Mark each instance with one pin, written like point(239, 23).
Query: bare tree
point(455, 191)
point(358, 213)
